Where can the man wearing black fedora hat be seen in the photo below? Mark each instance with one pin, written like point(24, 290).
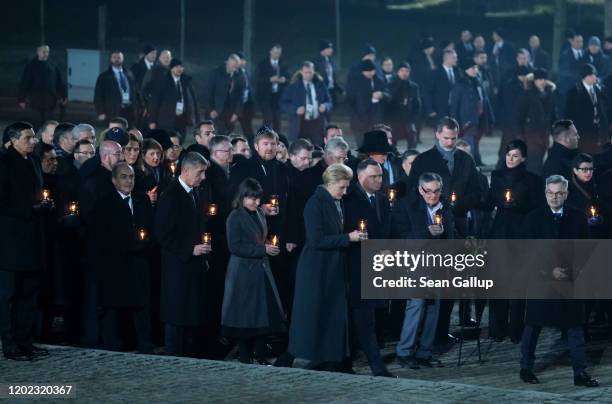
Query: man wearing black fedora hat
point(325, 65)
point(586, 107)
point(376, 147)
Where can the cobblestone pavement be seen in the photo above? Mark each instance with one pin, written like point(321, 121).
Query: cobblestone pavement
point(110, 377)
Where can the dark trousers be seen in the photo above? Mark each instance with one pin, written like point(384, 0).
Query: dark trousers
point(364, 323)
point(249, 346)
point(182, 341)
point(112, 330)
point(17, 308)
point(404, 130)
point(246, 120)
point(446, 309)
point(223, 123)
point(90, 312)
point(312, 130)
point(575, 343)
point(506, 318)
point(271, 112)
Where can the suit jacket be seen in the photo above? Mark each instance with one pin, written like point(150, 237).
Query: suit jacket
point(42, 84)
point(162, 108)
point(320, 68)
point(179, 227)
point(294, 96)
point(223, 92)
point(581, 111)
point(359, 100)
point(21, 238)
point(107, 93)
point(465, 102)
point(263, 72)
point(503, 62)
point(437, 97)
point(569, 70)
point(540, 59)
point(139, 70)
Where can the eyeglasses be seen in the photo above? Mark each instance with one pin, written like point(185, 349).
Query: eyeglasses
point(177, 147)
point(89, 153)
point(431, 191)
point(555, 194)
point(224, 151)
point(585, 169)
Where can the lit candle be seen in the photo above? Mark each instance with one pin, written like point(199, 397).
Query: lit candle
point(363, 225)
point(274, 240)
point(142, 234)
point(173, 168)
point(391, 195)
point(73, 208)
point(212, 209)
point(206, 238)
point(438, 219)
point(274, 203)
point(453, 198)
point(508, 196)
point(46, 194)
point(593, 211)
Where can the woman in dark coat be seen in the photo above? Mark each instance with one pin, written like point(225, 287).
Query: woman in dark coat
point(514, 192)
point(319, 325)
point(584, 196)
point(252, 308)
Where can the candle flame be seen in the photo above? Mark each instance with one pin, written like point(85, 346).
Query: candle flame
point(142, 234)
point(72, 207)
point(508, 196)
point(453, 197)
point(593, 211)
point(438, 219)
point(173, 167)
point(206, 237)
point(212, 209)
point(391, 194)
point(275, 240)
point(45, 194)
point(363, 225)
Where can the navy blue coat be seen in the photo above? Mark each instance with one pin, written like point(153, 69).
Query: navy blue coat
point(294, 96)
point(464, 104)
point(569, 71)
point(409, 219)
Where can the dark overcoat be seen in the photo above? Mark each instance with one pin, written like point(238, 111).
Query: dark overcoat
point(319, 324)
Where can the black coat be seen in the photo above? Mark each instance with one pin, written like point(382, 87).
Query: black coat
point(162, 108)
point(357, 206)
point(436, 96)
point(152, 80)
point(121, 257)
point(41, 84)
point(600, 61)
point(463, 181)
point(569, 70)
point(541, 224)
point(319, 324)
point(405, 103)
point(559, 161)
point(409, 220)
point(223, 92)
point(263, 72)
point(294, 96)
point(540, 59)
point(302, 185)
point(421, 71)
point(464, 106)
point(319, 63)
point(536, 114)
point(21, 238)
point(139, 70)
point(580, 110)
point(511, 92)
point(526, 190)
point(179, 227)
point(107, 93)
point(363, 112)
point(245, 301)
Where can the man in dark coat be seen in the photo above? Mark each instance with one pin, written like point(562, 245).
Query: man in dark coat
point(21, 242)
point(593, 55)
point(123, 230)
point(306, 101)
point(563, 150)
point(174, 104)
point(223, 93)
point(570, 63)
point(325, 65)
point(376, 145)
point(147, 62)
point(436, 96)
point(41, 86)
point(465, 48)
point(405, 106)
point(179, 226)
point(154, 78)
point(511, 91)
point(538, 57)
point(461, 187)
point(415, 218)
point(247, 107)
point(116, 92)
point(271, 77)
point(503, 56)
point(556, 221)
point(365, 96)
point(586, 107)
point(471, 107)
point(364, 201)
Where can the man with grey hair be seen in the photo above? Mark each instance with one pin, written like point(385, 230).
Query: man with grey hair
point(85, 131)
point(180, 229)
point(556, 221)
point(424, 217)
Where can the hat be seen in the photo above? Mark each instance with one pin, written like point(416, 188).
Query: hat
point(540, 74)
point(367, 65)
point(117, 135)
point(594, 41)
point(241, 55)
point(427, 43)
point(467, 63)
point(175, 62)
point(163, 138)
point(402, 65)
point(522, 71)
point(283, 139)
point(324, 44)
point(368, 49)
point(587, 70)
point(148, 48)
point(375, 141)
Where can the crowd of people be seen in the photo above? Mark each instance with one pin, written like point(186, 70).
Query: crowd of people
point(130, 240)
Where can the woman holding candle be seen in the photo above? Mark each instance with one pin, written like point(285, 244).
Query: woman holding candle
point(514, 193)
point(584, 196)
point(252, 308)
point(319, 321)
point(153, 176)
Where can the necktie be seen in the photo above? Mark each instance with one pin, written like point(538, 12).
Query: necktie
point(558, 215)
point(123, 81)
point(451, 76)
point(372, 200)
point(309, 93)
point(193, 198)
point(179, 89)
point(127, 200)
point(593, 96)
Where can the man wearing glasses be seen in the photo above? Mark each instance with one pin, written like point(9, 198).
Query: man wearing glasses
point(83, 151)
point(556, 221)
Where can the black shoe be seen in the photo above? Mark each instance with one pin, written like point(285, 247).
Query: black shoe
point(18, 356)
point(385, 373)
point(584, 379)
point(528, 377)
point(263, 362)
point(447, 340)
point(35, 351)
point(470, 323)
point(285, 360)
point(430, 362)
point(408, 361)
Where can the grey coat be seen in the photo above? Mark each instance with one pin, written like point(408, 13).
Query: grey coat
point(245, 302)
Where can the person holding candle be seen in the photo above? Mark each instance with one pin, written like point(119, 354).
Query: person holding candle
point(179, 225)
point(123, 230)
point(584, 195)
point(252, 309)
point(514, 192)
point(21, 243)
point(152, 175)
point(367, 209)
point(428, 216)
point(319, 323)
